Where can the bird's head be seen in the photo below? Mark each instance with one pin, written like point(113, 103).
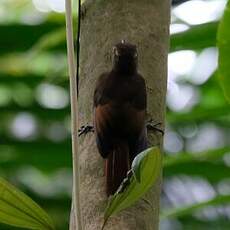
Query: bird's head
point(125, 57)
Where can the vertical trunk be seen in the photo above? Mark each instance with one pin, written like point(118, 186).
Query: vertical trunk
point(104, 23)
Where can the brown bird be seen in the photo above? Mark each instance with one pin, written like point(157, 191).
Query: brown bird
point(119, 115)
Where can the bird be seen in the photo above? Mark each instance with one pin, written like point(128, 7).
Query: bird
point(119, 106)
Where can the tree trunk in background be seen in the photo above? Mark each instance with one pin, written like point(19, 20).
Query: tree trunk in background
point(105, 23)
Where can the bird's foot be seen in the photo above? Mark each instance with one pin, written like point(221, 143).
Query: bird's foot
point(152, 125)
point(85, 129)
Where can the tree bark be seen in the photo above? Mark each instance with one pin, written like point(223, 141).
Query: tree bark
point(105, 23)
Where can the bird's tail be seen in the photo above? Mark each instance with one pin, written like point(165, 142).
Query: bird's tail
point(116, 166)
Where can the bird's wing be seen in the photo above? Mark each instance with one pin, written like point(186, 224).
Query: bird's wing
point(102, 114)
point(139, 103)
point(101, 125)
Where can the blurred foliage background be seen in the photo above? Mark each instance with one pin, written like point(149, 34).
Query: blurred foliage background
point(35, 145)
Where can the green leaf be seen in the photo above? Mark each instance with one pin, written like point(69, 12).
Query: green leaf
point(17, 209)
point(223, 43)
point(196, 38)
point(185, 157)
point(187, 210)
point(198, 114)
point(213, 171)
point(136, 166)
point(49, 40)
point(26, 36)
point(146, 166)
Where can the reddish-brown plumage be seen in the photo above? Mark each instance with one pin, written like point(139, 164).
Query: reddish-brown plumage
point(119, 115)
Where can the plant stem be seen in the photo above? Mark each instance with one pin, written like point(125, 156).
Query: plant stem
point(74, 113)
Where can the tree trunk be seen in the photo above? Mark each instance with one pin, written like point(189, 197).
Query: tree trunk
point(105, 23)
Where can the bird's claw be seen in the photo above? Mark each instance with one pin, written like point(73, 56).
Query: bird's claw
point(151, 125)
point(84, 129)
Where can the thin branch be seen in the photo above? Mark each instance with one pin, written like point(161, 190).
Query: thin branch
point(74, 113)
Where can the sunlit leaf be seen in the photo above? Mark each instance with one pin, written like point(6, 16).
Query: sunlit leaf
point(147, 166)
point(223, 42)
point(17, 209)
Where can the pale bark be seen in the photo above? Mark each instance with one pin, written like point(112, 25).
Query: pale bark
point(106, 22)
